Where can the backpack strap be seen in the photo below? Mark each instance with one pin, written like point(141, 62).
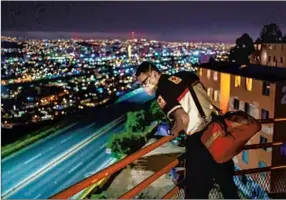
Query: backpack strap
point(218, 109)
point(197, 102)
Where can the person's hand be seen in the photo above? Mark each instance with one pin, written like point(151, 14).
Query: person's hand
point(163, 130)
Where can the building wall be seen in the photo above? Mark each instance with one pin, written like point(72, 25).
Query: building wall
point(256, 101)
point(211, 81)
point(269, 54)
point(275, 104)
point(278, 158)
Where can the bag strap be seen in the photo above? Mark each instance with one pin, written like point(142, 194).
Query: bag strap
point(218, 109)
point(196, 100)
point(219, 118)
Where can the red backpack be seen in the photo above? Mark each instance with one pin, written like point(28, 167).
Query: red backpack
point(226, 135)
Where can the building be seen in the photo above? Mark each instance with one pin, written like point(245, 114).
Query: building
point(129, 51)
point(261, 92)
point(269, 54)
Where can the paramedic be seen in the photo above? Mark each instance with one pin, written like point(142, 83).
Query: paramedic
point(175, 100)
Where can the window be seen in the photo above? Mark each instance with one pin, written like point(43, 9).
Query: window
point(216, 95)
point(264, 114)
point(209, 74)
point(261, 165)
point(245, 157)
point(265, 89)
point(248, 84)
point(263, 140)
point(246, 108)
point(269, 58)
point(237, 81)
point(274, 59)
point(210, 92)
point(215, 76)
point(235, 103)
point(259, 47)
point(200, 71)
point(281, 59)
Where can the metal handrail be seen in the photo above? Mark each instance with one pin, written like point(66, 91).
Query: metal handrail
point(176, 189)
point(258, 170)
point(262, 145)
point(72, 190)
point(141, 186)
point(271, 120)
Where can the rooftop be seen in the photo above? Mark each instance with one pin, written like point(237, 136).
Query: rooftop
point(260, 72)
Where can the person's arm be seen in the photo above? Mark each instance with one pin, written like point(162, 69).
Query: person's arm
point(181, 121)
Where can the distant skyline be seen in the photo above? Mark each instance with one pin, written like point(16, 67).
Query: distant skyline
point(173, 21)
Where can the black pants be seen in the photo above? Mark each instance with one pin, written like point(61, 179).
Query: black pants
point(202, 171)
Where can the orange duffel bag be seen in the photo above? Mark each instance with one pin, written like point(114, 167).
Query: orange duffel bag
point(227, 134)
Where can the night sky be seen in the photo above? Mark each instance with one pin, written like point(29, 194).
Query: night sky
point(176, 21)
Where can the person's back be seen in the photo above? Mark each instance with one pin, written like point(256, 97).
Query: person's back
point(176, 85)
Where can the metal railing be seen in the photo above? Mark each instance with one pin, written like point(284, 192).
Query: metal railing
point(72, 190)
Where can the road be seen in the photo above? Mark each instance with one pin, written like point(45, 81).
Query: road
point(66, 157)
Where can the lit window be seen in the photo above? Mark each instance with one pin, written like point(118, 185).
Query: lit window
point(210, 92)
point(209, 74)
point(200, 71)
point(259, 47)
point(245, 157)
point(215, 76)
point(248, 83)
point(237, 81)
point(265, 89)
point(216, 95)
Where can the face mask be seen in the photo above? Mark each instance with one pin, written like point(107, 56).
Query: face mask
point(150, 89)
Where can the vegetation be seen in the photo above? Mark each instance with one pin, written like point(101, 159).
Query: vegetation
point(156, 113)
point(99, 196)
point(270, 33)
point(32, 138)
point(284, 38)
point(136, 121)
point(242, 50)
point(244, 47)
point(138, 128)
point(27, 140)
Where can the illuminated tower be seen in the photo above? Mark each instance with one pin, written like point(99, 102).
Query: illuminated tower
point(129, 51)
